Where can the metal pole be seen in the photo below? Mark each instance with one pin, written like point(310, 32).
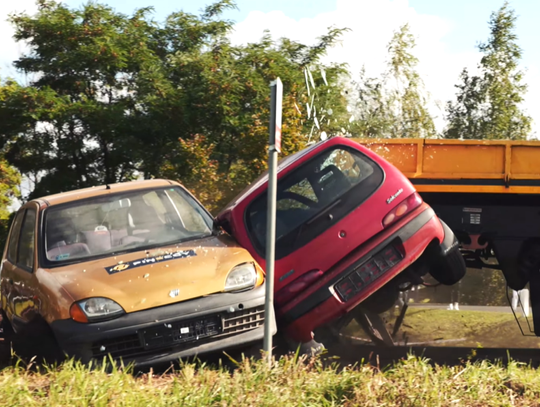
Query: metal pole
point(276, 92)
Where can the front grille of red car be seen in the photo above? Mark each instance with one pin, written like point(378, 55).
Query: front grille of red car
point(367, 272)
point(179, 335)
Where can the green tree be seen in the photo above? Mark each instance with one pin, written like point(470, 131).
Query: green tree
point(394, 105)
point(9, 189)
point(225, 97)
point(117, 95)
point(487, 104)
point(70, 125)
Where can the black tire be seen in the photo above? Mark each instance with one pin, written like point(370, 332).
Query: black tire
point(6, 338)
point(528, 261)
point(449, 269)
point(329, 334)
point(446, 262)
point(37, 340)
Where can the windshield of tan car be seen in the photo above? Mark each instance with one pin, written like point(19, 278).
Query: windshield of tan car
point(122, 222)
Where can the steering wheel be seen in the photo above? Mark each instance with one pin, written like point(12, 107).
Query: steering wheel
point(297, 197)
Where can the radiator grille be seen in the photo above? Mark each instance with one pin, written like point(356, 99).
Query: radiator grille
point(243, 320)
point(180, 334)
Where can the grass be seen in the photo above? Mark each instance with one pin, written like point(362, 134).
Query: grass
point(487, 329)
point(290, 382)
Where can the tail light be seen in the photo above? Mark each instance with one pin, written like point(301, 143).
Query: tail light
point(289, 291)
point(406, 206)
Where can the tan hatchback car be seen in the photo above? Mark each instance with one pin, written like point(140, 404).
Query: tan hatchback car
point(136, 270)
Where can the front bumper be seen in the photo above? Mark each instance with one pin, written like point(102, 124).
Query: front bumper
point(168, 333)
point(324, 305)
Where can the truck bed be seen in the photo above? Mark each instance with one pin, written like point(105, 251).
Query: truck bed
point(475, 166)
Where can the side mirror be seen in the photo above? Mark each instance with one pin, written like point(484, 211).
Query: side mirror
point(218, 225)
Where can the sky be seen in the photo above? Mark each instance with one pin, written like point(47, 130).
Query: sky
point(447, 34)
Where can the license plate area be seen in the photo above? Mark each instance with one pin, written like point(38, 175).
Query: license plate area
point(367, 272)
point(179, 332)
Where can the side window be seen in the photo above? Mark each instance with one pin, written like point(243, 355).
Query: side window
point(14, 237)
point(26, 241)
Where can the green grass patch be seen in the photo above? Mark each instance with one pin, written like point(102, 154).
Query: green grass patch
point(288, 383)
point(477, 328)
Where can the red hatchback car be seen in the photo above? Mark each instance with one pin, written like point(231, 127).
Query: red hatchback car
point(348, 223)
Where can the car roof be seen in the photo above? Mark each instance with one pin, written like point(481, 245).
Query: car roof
point(101, 190)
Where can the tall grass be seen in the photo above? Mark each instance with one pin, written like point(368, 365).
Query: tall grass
point(289, 382)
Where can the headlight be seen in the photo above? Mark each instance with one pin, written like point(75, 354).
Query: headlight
point(241, 277)
point(95, 309)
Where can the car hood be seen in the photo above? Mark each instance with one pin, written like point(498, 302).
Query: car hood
point(155, 277)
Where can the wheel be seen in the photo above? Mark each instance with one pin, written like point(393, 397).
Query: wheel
point(446, 262)
point(329, 334)
point(37, 340)
point(528, 259)
point(6, 338)
point(449, 269)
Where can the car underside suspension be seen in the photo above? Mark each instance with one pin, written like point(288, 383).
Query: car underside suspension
point(375, 327)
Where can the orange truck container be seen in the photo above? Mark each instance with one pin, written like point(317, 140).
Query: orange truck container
point(464, 166)
point(488, 192)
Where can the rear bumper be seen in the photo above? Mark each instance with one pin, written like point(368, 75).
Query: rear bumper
point(171, 332)
point(322, 304)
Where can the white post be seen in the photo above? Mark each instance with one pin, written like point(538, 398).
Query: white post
point(274, 147)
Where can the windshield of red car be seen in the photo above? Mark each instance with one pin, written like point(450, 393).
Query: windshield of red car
point(120, 222)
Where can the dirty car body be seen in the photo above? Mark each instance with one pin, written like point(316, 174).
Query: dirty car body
point(134, 270)
point(348, 224)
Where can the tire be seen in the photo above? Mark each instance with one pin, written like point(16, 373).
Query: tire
point(450, 269)
point(37, 340)
point(528, 260)
point(446, 262)
point(6, 339)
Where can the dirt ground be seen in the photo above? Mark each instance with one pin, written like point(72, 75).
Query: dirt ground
point(458, 328)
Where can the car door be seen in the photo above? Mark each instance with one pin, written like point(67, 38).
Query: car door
point(18, 274)
point(8, 264)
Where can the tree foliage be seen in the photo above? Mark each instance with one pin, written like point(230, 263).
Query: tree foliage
point(117, 95)
point(487, 104)
point(394, 105)
point(9, 182)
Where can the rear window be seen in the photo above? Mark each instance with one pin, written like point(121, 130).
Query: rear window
point(314, 197)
